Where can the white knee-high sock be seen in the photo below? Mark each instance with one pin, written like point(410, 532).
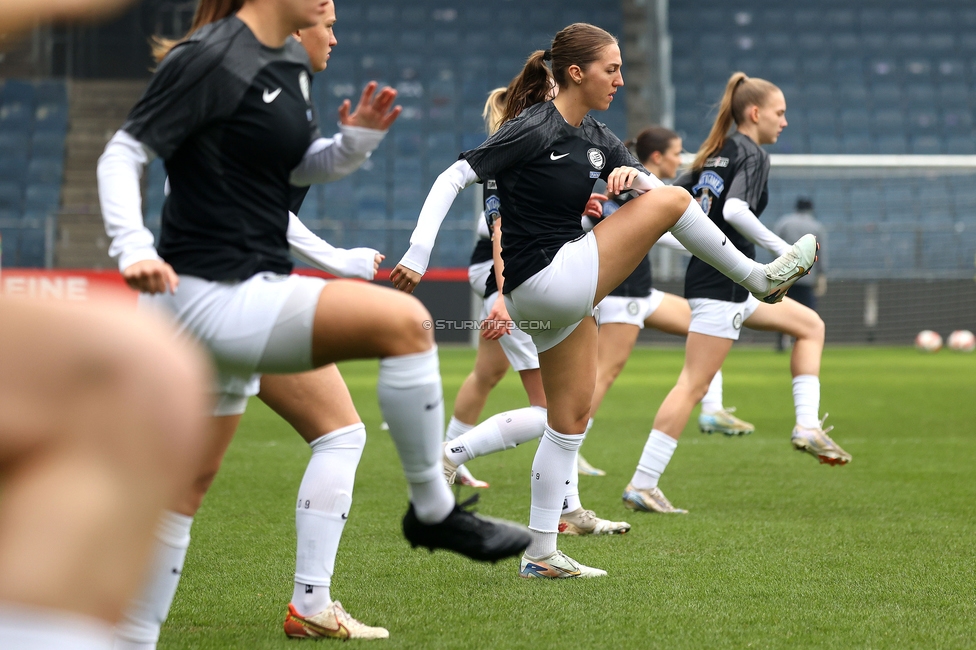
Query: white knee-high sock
point(655, 457)
point(457, 428)
point(704, 240)
point(572, 501)
point(551, 472)
point(712, 402)
point(806, 400)
point(139, 629)
point(498, 433)
point(29, 627)
point(412, 403)
point(324, 499)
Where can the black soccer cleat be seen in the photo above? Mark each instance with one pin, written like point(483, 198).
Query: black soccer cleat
point(479, 538)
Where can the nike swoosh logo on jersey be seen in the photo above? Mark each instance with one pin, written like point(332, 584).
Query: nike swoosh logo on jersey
point(553, 156)
point(271, 96)
point(725, 240)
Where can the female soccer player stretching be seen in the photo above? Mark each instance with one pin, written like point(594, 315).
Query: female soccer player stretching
point(728, 179)
point(545, 162)
point(230, 112)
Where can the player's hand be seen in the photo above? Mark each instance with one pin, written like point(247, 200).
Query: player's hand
point(375, 110)
point(621, 179)
point(498, 323)
point(377, 259)
point(594, 207)
point(151, 276)
point(404, 279)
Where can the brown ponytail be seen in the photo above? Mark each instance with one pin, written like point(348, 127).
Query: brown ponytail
point(208, 11)
point(741, 92)
point(494, 111)
point(578, 44)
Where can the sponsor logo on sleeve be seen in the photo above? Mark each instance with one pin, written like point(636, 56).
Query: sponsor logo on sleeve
point(717, 161)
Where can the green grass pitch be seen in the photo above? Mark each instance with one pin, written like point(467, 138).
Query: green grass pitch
point(777, 551)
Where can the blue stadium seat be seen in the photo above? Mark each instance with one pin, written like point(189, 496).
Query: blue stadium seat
point(855, 121)
point(16, 118)
point(51, 118)
point(31, 248)
point(15, 91)
point(892, 144)
point(821, 122)
point(954, 95)
point(926, 144)
point(960, 145)
point(924, 122)
point(52, 91)
point(43, 197)
point(45, 170)
point(48, 145)
point(888, 121)
point(9, 245)
point(866, 203)
point(853, 94)
point(899, 202)
point(13, 168)
point(886, 94)
point(920, 95)
point(11, 196)
point(857, 144)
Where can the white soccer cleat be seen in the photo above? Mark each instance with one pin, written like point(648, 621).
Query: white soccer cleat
point(724, 422)
point(817, 443)
point(557, 566)
point(465, 477)
point(789, 267)
point(652, 500)
point(333, 622)
point(585, 522)
point(584, 468)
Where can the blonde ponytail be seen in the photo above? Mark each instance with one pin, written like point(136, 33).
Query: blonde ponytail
point(741, 92)
point(494, 112)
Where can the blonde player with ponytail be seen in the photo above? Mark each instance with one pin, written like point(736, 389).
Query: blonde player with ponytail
point(729, 180)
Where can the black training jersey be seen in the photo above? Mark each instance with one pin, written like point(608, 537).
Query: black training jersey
point(739, 171)
point(231, 118)
point(482, 249)
point(638, 283)
point(545, 170)
point(492, 212)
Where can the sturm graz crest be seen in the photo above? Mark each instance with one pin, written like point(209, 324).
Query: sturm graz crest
point(596, 158)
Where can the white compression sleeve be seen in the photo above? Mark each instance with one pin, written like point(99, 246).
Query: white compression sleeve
point(442, 194)
point(645, 182)
point(738, 214)
point(315, 251)
point(119, 176)
point(329, 159)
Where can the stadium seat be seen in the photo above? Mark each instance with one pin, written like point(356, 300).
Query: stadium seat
point(855, 121)
point(888, 121)
point(926, 144)
point(9, 245)
point(45, 170)
point(11, 196)
point(51, 118)
point(31, 249)
point(16, 118)
point(857, 144)
point(15, 91)
point(960, 145)
point(892, 144)
point(45, 196)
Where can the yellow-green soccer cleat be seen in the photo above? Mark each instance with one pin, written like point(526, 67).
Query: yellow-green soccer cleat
point(557, 567)
point(333, 622)
point(585, 522)
point(652, 500)
point(788, 268)
point(584, 468)
point(724, 422)
point(817, 443)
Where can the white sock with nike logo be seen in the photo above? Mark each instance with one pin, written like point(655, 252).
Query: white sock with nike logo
point(704, 240)
point(324, 500)
point(498, 433)
point(412, 404)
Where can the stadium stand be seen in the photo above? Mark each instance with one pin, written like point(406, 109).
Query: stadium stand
point(33, 126)
point(871, 78)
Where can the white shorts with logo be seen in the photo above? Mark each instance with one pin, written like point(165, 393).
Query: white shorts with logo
point(629, 311)
point(517, 345)
point(262, 324)
point(551, 304)
point(720, 318)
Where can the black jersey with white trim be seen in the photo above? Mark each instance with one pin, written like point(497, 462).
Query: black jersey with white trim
point(638, 283)
point(739, 171)
point(545, 169)
point(231, 118)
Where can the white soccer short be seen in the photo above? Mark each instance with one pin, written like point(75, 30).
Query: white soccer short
point(517, 345)
point(629, 311)
point(551, 304)
point(478, 276)
point(262, 324)
point(720, 318)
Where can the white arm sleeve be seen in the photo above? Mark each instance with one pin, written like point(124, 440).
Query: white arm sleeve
point(645, 182)
point(329, 159)
point(119, 174)
point(445, 189)
point(668, 240)
point(315, 251)
point(738, 214)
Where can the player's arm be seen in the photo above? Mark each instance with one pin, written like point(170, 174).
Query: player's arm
point(408, 273)
point(19, 15)
point(498, 322)
point(119, 171)
point(308, 247)
point(737, 213)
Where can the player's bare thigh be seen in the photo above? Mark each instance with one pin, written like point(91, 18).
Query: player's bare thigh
point(672, 316)
point(314, 402)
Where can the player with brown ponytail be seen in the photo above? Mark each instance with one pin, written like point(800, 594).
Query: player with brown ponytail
point(545, 161)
